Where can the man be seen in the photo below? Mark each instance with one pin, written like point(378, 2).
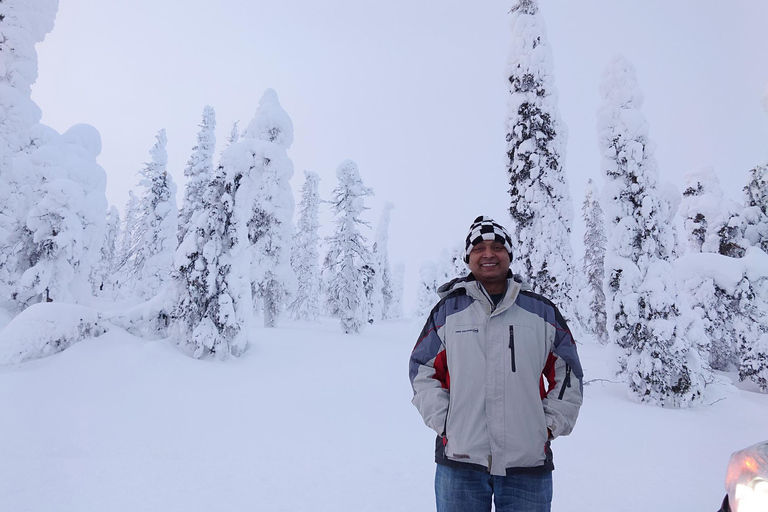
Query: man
point(496, 375)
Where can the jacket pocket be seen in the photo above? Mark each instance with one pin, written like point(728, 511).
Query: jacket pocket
point(512, 347)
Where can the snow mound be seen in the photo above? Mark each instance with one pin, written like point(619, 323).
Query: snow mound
point(46, 328)
point(148, 319)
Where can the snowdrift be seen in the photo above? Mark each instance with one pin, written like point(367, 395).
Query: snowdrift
point(46, 328)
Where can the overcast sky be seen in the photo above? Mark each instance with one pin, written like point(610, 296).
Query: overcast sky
point(413, 91)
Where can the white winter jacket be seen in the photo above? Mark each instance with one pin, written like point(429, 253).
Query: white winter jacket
point(490, 380)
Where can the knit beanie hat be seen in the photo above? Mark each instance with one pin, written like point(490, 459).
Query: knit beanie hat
point(485, 228)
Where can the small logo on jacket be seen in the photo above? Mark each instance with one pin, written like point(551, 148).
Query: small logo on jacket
point(473, 329)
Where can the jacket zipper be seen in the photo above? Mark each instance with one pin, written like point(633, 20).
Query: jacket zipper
point(512, 346)
point(566, 383)
point(487, 296)
point(445, 424)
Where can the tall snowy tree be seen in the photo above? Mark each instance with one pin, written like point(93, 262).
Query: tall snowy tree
point(67, 222)
point(426, 290)
point(158, 223)
point(536, 138)
point(713, 225)
point(731, 310)
point(199, 170)
point(756, 208)
point(347, 253)
point(270, 229)
point(382, 293)
point(305, 254)
point(753, 348)
point(593, 266)
point(369, 301)
point(444, 268)
point(396, 309)
point(752, 323)
point(647, 315)
point(127, 248)
point(432, 275)
point(234, 134)
point(22, 25)
point(104, 274)
point(451, 265)
point(213, 262)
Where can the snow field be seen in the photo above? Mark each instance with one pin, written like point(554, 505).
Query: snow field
point(310, 419)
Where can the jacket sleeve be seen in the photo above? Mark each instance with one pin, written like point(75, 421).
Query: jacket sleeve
point(564, 374)
point(428, 371)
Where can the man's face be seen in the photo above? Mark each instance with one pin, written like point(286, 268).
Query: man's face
point(489, 262)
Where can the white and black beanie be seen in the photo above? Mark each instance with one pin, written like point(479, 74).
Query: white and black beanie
point(485, 228)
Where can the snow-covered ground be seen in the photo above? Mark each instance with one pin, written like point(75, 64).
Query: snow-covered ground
point(314, 420)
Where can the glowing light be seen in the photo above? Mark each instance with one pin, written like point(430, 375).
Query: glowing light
point(752, 498)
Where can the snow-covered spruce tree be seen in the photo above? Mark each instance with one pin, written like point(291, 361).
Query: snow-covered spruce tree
point(158, 223)
point(460, 268)
point(752, 324)
point(199, 170)
point(540, 201)
point(432, 275)
point(128, 239)
point(718, 309)
point(213, 262)
point(396, 310)
point(103, 277)
point(347, 253)
point(753, 347)
point(671, 196)
point(451, 265)
point(270, 229)
point(234, 134)
point(756, 208)
point(647, 314)
point(22, 25)
point(369, 301)
point(67, 222)
point(712, 222)
point(382, 292)
point(443, 268)
point(713, 225)
point(730, 296)
point(326, 275)
point(426, 291)
point(719, 288)
point(593, 266)
point(305, 253)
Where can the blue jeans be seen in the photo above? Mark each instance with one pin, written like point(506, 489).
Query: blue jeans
point(467, 490)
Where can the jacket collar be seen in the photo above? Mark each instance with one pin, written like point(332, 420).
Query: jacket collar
point(474, 289)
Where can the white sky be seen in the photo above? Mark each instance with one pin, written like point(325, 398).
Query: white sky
point(413, 91)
